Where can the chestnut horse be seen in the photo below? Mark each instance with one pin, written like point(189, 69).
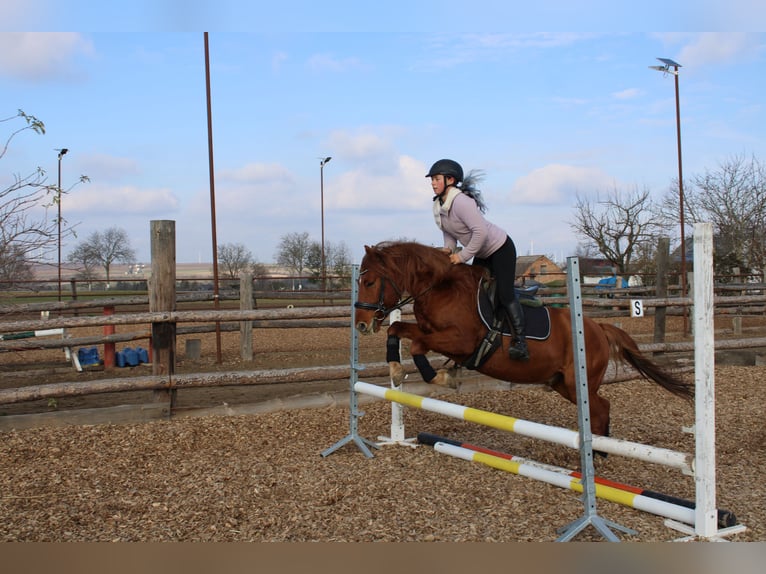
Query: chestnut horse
point(393, 274)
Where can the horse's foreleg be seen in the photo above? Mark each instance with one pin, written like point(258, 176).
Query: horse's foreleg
point(394, 360)
point(418, 350)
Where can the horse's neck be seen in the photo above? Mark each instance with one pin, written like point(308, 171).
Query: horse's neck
point(417, 283)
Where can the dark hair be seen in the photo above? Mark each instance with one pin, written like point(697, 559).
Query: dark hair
point(469, 187)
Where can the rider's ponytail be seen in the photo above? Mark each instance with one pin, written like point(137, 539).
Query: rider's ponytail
point(470, 188)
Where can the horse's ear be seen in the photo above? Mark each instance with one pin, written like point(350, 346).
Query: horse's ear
point(367, 248)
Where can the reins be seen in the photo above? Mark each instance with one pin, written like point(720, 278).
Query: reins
point(380, 309)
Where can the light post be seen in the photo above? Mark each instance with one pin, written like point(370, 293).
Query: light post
point(322, 163)
point(62, 152)
point(665, 69)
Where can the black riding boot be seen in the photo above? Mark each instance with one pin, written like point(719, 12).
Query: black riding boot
point(518, 347)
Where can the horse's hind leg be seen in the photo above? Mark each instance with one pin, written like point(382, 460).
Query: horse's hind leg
point(599, 414)
point(599, 406)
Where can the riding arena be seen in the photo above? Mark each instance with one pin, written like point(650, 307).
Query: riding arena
point(232, 448)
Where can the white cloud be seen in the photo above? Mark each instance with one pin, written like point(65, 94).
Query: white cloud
point(123, 201)
point(101, 167)
point(375, 174)
point(708, 48)
point(367, 150)
point(277, 60)
point(446, 51)
point(556, 183)
point(328, 62)
point(403, 188)
point(41, 56)
point(718, 47)
point(258, 173)
point(628, 94)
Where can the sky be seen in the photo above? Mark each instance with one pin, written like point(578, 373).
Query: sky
point(383, 92)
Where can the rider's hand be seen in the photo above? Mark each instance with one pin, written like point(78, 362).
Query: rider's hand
point(455, 259)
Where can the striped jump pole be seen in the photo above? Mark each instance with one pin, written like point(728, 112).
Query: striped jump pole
point(522, 427)
point(639, 498)
point(30, 334)
point(560, 478)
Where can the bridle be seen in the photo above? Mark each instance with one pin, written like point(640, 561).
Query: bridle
point(380, 310)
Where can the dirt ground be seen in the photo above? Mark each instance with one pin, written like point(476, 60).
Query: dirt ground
point(261, 477)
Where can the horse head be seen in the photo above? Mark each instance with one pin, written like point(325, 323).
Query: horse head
point(378, 293)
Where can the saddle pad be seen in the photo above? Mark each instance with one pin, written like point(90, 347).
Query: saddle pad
point(537, 320)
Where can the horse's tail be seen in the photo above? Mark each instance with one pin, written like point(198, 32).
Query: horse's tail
point(625, 349)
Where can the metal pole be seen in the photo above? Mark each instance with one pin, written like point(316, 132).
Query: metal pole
point(665, 69)
point(681, 203)
point(321, 192)
point(216, 300)
point(62, 151)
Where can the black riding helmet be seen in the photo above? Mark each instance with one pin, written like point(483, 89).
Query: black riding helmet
point(447, 167)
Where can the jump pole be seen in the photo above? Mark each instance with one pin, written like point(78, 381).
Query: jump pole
point(560, 477)
point(725, 517)
point(557, 435)
point(30, 334)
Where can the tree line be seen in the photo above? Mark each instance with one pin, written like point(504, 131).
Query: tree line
point(624, 226)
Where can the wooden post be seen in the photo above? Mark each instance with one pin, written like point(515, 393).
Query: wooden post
point(705, 523)
point(109, 347)
point(661, 285)
point(246, 327)
point(73, 287)
point(162, 298)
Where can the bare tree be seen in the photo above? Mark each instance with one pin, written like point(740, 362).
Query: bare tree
point(337, 259)
point(85, 262)
point(733, 199)
point(618, 225)
point(111, 246)
point(235, 259)
point(28, 232)
point(293, 252)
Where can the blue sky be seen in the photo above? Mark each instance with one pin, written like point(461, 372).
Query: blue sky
point(545, 115)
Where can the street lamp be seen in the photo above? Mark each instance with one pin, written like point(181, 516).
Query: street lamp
point(322, 162)
point(665, 69)
point(62, 152)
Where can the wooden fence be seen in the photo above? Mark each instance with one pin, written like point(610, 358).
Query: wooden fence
point(165, 323)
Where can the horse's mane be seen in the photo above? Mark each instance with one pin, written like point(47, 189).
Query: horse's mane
point(429, 265)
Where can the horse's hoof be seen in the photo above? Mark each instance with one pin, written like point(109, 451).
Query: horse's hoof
point(396, 372)
point(444, 378)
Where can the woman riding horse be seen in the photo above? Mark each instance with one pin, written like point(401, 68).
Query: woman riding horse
point(458, 211)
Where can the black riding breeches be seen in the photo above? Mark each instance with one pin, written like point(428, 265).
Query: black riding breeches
point(502, 266)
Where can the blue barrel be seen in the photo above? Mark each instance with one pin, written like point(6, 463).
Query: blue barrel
point(88, 356)
point(143, 355)
point(131, 357)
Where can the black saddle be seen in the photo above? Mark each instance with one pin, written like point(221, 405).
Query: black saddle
point(537, 322)
point(536, 318)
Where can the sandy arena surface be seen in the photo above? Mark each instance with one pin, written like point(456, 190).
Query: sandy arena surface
point(261, 477)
